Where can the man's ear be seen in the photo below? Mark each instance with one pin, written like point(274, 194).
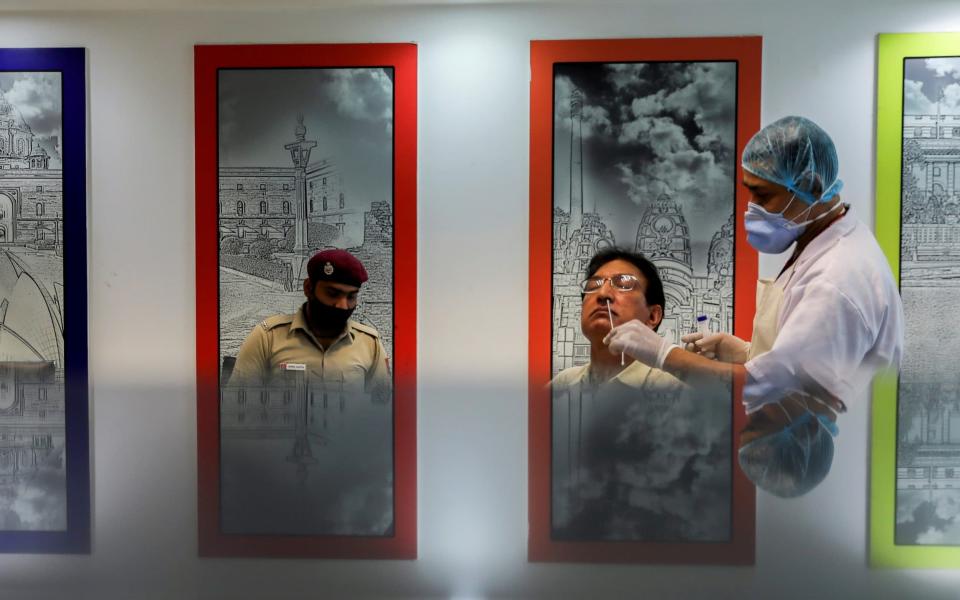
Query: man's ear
point(307, 287)
point(656, 316)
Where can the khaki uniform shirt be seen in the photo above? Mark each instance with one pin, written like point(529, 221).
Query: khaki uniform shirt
point(356, 359)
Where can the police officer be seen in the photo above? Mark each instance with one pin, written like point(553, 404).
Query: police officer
point(319, 340)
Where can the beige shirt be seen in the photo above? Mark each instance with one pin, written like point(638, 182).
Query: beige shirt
point(635, 375)
point(284, 345)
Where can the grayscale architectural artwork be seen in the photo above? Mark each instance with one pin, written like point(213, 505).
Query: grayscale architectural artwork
point(305, 160)
point(306, 163)
point(644, 159)
point(33, 493)
point(928, 431)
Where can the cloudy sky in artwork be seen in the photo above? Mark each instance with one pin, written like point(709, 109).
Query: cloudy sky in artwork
point(650, 129)
point(348, 112)
point(927, 80)
point(37, 97)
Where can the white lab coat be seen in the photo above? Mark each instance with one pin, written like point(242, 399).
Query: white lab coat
point(839, 322)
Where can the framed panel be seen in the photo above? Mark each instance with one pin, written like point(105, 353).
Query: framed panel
point(44, 454)
point(301, 148)
point(638, 140)
point(915, 462)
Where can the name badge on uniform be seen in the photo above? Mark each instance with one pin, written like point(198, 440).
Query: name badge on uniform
point(293, 367)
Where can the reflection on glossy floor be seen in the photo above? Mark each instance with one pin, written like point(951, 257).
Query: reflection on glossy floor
point(298, 461)
point(33, 492)
point(631, 465)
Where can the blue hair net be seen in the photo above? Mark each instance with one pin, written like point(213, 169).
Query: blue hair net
point(795, 153)
point(793, 461)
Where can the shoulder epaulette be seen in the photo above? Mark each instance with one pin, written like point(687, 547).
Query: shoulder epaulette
point(276, 321)
point(365, 329)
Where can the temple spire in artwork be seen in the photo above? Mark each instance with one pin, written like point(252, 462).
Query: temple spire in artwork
point(939, 100)
point(576, 159)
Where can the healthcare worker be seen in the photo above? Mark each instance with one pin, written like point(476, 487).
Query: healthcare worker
point(823, 328)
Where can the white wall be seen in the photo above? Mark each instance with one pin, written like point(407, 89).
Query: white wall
point(819, 60)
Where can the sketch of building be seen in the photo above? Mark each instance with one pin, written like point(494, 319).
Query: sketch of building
point(18, 149)
point(928, 441)
point(640, 164)
point(31, 320)
point(275, 215)
point(270, 202)
point(303, 169)
point(32, 432)
point(662, 236)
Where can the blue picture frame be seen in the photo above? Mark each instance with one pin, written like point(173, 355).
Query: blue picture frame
point(72, 242)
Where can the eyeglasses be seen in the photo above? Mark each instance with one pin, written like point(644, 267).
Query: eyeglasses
point(622, 281)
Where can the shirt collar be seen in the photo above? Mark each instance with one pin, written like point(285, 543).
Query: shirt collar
point(632, 375)
point(837, 230)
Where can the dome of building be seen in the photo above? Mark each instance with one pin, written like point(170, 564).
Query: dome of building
point(30, 318)
point(16, 137)
point(663, 232)
point(10, 117)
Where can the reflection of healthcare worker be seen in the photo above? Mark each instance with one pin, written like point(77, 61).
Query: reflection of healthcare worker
point(823, 327)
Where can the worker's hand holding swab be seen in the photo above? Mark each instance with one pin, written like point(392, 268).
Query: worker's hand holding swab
point(639, 341)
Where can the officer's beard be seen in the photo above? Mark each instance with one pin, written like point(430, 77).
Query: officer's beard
point(325, 319)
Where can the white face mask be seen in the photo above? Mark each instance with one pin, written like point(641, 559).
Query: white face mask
point(772, 233)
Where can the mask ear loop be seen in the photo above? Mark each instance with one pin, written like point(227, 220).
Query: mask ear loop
point(804, 447)
point(831, 427)
point(785, 411)
point(807, 213)
point(784, 210)
point(803, 406)
point(842, 409)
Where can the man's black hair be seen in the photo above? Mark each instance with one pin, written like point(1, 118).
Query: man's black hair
point(654, 289)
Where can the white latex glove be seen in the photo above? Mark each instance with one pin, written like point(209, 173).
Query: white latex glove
point(639, 341)
point(721, 346)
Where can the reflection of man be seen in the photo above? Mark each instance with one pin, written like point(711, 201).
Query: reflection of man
point(320, 339)
point(620, 286)
point(823, 328)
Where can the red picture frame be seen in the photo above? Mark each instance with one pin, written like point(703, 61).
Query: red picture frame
point(208, 60)
point(747, 52)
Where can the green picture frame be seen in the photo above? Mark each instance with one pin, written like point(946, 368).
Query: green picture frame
point(893, 49)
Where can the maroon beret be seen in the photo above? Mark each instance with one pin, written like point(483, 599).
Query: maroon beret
point(336, 265)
